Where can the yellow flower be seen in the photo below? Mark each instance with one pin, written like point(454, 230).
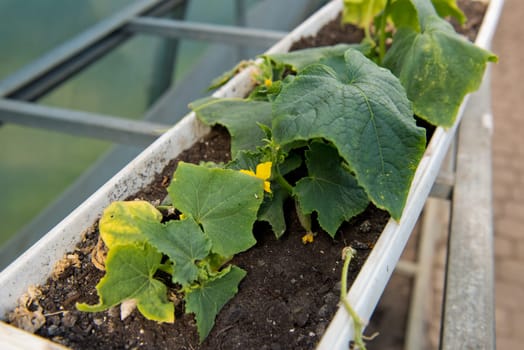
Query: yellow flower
point(263, 172)
point(308, 238)
point(268, 82)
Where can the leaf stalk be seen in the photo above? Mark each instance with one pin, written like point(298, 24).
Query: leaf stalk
point(382, 33)
point(358, 324)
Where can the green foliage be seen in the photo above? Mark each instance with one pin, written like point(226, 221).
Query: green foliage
point(211, 296)
point(224, 202)
point(220, 207)
point(328, 128)
point(446, 8)
point(373, 129)
point(272, 211)
point(425, 49)
point(403, 14)
point(327, 179)
point(438, 55)
point(240, 117)
point(332, 56)
point(130, 275)
point(184, 243)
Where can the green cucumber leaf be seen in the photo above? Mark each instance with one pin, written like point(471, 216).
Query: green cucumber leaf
point(332, 56)
point(366, 115)
point(126, 222)
point(272, 210)
point(223, 201)
point(292, 162)
point(265, 93)
point(437, 67)
point(184, 243)
point(329, 189)
point(241, 118)
point(207, 300)
point(129, 275)
point(446, 8)
point(246, 160)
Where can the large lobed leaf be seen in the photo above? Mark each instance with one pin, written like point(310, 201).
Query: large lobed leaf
point(224, 202)
point(329, 189)
point(366, 115)
point(129, 275)
point(436, 66)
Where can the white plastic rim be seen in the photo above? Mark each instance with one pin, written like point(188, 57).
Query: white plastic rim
point(35, 265)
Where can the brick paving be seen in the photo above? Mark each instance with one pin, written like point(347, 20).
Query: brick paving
point(508, 177)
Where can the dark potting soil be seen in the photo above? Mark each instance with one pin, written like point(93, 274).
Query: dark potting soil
point(287, 299)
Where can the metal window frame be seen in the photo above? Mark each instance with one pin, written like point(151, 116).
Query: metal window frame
point(48, 72)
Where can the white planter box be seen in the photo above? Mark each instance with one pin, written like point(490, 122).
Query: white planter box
point(35, 265)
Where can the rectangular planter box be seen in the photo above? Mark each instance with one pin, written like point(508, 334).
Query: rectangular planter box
point(36, 264)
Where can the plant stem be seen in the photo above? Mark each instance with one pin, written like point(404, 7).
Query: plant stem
point(367, 31)
point(382, 33)
point(283, 183)
point(358, 325)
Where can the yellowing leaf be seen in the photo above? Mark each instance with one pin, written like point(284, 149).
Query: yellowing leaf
point(449, 8)
point(125, 222)
point(129, 275)
point(361, 12)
